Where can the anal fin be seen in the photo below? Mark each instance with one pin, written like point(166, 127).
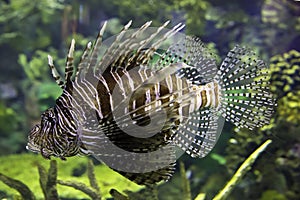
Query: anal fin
point(200, 133)
point(150, 178)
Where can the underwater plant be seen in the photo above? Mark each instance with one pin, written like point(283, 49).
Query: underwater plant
point(49, 181)
point(278, 173)
point(285, 84)
point(10, 136)
point(233, 24)
point(60, 179)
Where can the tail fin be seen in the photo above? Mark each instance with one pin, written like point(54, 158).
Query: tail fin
point(246, 100)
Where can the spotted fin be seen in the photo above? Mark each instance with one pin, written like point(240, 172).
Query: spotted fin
point(144, 161)
point(191, 51)
point(246, 100)
point(199, 134)
point(151, 178)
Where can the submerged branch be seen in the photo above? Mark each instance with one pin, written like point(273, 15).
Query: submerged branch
point(25, 192)
point(48, 180)
point(117, 195)
point(43, 178)
point(92, 177)
point(82, 187)
point(93, 191)
point(185, 183)
point(51, 181)
point(244, 168)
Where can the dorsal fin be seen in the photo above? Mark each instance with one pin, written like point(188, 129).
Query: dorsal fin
point(69, 69)
point(193, 52)
point(126, 49)
point(82, 66)
point(55, 74)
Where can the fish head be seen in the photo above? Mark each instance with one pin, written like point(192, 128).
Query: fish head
point(32, 144)
point(42, 137)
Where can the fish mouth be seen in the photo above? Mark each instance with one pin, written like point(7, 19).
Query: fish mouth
point(33, 148)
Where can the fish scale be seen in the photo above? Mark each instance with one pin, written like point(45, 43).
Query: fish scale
point(132, 106)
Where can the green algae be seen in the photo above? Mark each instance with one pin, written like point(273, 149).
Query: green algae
point(276, 174)
point(25, 192)
point(24, 167)
point(59, 181)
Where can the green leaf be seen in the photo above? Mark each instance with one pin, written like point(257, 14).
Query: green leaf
point(221, 160)
point(49, 90)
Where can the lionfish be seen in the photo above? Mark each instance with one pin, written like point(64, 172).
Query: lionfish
point(132, 105)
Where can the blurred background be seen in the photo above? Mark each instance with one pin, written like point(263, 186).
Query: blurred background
point(30, 30)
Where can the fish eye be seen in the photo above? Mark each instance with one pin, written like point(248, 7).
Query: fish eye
point(48, 116)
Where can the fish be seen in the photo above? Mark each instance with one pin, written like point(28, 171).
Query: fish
point(135, 101)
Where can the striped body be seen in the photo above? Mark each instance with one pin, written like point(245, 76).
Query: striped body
point(60, 136)
point(166, 93)
point(130, 110)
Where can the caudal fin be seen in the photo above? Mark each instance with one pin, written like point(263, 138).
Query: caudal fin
point(246, 100)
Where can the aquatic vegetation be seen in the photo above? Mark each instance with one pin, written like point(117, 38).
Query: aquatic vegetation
point(280, 13)
point(32, 29)
point(11, 122)
point(285, 84)
point(49, 182)
point(283, 159)
point(289, 107)
point(285, 73)
point(93, 190)
point(277, 170)
point(185, 183)
point(25, 192)
point(259, 27)
point(242, 170)
point(9, 140)
point(31, 170)
point(38, 14)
